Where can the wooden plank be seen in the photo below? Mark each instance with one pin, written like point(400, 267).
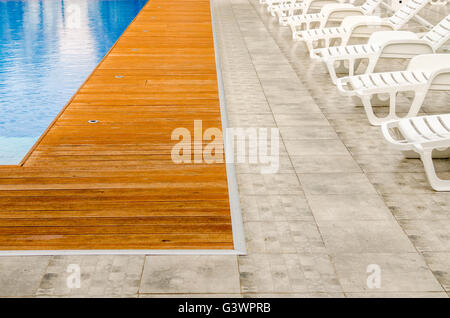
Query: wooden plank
point(111, 241)
point(113, 184)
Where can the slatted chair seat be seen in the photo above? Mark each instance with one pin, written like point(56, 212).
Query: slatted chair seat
point(385, 44)
point(365, 24)
point(285, 10)
point(425, 72)
point(320, 19)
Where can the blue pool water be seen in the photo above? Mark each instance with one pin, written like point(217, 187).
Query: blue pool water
point(47, 49)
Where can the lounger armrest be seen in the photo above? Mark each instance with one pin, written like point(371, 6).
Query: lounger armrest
point(399, 144)
point(405, 48)
point(417, 41)
point(314, 54)
point(342, 13)
point(342, 86)
point(381, 37)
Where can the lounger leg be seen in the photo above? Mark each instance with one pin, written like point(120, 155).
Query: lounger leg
point(373, 60)
point(293, 29)
point(413, 111)
point(309, 45)
point(282, 18)
point(375, 120)
point(357, 63)
point(392, 105)
point(352, 66)
point(417, 102)
point(341, 69)
point(344, 40)
point(435, 182)
point(332, 71)
point(330, 42)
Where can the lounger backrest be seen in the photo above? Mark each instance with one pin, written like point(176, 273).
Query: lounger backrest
point(439, 34)
point(406, 12)
point(369, 6)
point(437, 66)
point(273, 2)
point(379, 38)
point(429, 62)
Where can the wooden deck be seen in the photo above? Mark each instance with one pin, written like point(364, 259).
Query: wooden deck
point(112, 184)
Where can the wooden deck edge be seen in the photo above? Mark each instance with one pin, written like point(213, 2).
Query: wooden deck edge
point(120, 252)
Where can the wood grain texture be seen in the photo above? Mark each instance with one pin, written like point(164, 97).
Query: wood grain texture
point(113, 185)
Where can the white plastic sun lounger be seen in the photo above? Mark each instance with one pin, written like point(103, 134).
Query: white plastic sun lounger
point(286, 10)
point(424, 72)
point(359, 26)
point(279, 7)
point(429, 136)
point(383, 44)
point(271, 4)
point(329, 12)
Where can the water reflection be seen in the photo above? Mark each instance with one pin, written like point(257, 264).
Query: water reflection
point(47, 49)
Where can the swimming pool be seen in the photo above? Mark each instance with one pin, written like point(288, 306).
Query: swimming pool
point(47, 49)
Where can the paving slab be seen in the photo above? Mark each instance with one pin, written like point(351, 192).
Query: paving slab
point(190, 274)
